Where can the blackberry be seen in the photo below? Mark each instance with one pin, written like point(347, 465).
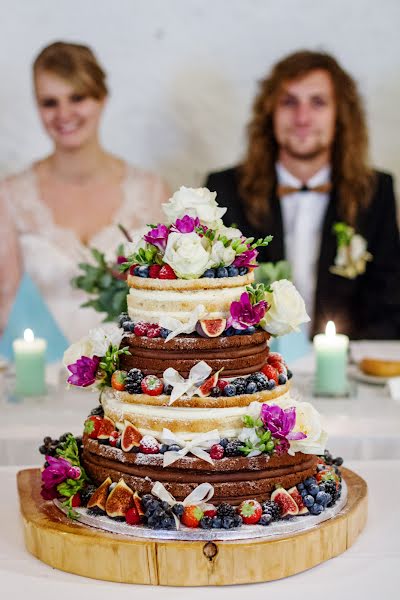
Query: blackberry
point(206, 522)
point(146, 499)
point(86, 493)
point(260, 379)
point(243, 270)
point(98, 411)
point(238, 521)
point(47, 440)
point(338, 461)
point(233, 448)
point(133, 381)
point(330, 488)
point(43, 449)
point(225, 510)
point(240, 384)
point(216, 392)
point(272, 509)
point(123, 317)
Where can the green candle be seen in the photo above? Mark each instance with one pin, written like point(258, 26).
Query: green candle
point(331, 354)
point(29, 354)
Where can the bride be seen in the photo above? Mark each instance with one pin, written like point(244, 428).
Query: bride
point(52, 212)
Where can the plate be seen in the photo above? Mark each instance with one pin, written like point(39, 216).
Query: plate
point(356, 373)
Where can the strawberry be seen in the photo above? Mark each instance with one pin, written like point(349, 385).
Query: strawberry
point(141, 328)
point(152, 385)
point(270, 372)
point(149, 445)
point(154, 271)
point(132, 269)
point(92, 426)
point(154, 331)
point(275, 357)
point(76, 500)
point(166, 273)
point(217, 452)
point(192, 516)
point(250, 511)
point(132, 516)
point(118, 380)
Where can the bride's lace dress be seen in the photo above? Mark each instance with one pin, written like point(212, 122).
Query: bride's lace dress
point(51, 253)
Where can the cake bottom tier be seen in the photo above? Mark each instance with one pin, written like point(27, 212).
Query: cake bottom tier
point(234, 479)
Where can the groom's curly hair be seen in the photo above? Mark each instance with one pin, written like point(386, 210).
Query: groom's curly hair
point(351, 174)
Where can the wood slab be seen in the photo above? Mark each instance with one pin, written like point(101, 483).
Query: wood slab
point(86, 551)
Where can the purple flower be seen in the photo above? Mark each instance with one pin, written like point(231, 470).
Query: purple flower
point(244, 314)
point(280, 422)
point(121, 259)
point(49, 494)
point(158, 237)
point(57, 471)
point(186, 225)
point(83, 371)
point(246, 259)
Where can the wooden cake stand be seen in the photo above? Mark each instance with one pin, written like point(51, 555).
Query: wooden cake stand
point(76, 548)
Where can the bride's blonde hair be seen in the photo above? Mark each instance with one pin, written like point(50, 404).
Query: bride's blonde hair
point(76, 64)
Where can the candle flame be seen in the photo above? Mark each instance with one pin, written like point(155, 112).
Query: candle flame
point(29, 335)
point(330, 330)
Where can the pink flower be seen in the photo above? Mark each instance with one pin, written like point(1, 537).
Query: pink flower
point(121, 259)
point(244, 314)
point(186, 225)
point(246, 259)
point(280, 422)
point(83, 371)
point(57, 471)
point(158, 237)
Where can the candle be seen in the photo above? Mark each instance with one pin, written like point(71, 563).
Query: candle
point(29, 355)
point(331, 354)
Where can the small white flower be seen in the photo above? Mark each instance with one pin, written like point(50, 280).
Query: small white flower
point(352, 255)
point(96, 343)
point(231, 233)
point(195, 202)
point(188, 254)
point(221, 256)
point(287, 309)
point(137, 241)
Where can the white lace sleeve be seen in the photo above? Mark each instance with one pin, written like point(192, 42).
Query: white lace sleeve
point(10, 256)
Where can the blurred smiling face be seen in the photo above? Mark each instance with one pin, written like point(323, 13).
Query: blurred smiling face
point(305, 115)
point(71, 119)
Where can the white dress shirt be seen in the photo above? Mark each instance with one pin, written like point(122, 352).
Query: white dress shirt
point(302, 217)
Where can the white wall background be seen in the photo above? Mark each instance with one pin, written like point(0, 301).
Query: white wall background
point(183, 72)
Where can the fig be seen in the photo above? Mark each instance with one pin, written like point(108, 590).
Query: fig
point(139, 506)
point(99, 498)
point(205, 389)
point(211, 327)
point(106, 428)
point(130, 437)
point(294, 492)
point(286, 503)
point(120, 500)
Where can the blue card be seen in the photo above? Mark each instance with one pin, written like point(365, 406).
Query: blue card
point(31, 311)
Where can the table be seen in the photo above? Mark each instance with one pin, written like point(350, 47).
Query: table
point(369, 569)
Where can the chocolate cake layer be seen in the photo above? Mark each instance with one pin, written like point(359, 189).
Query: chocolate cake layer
point(237, 355)
point(234, 479)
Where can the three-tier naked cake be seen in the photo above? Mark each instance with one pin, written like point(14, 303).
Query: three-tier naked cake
point(196, 425)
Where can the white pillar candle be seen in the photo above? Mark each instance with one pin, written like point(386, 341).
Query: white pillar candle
point(331, 354)
point(29, 356)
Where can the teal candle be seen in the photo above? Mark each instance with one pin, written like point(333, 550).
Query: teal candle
point(331, 356)
point(29, 354)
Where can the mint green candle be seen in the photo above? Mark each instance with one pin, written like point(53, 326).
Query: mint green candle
point(331, 357)
point(29, 355)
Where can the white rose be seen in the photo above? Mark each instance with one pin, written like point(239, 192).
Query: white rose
point(83, 347)
point(287, 309)
point(231, 233)
point(221, 256)
point(102, 337)
point(188, 254)
point(308, 421)
point(137, 241)
point(195, 202)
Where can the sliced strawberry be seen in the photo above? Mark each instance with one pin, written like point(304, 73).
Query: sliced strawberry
point(154, 270)
point(152, 385)
point(92, 426)
point(192, 516)
point(250, 511)
point(118, 380)
point(270, 372)
point(166, 272)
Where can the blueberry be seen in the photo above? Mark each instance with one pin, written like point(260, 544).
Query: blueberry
point(282, 379)
point(329, 499)
point(316, 509)
point(289, 374)
point(228, 522)
point(304, 493)
point(206, 523)
point(131, 327)
point(43, 449)
point(265, 519)
point(322, 487)
point(251, 387)
point(142, 271)
point(164, 333)
point(271, 384)
point(167, 389)
point(174, 448)
point(230, 331)
point(167, 523)
point(126, 325)
point(237, 521)
point(210, 273)
point(222, 272)
point(119, 442)
point(300, 486)
point(233, 271)
point(249, 330)
point(308, 501)
point(313, 490)
point(217, 523)
point(338, 461)
point(224, 442)
point(243, 270)
point(310, 481)
point(163, 448)
point(321, 498)
point(229, 390)
point(178, 509)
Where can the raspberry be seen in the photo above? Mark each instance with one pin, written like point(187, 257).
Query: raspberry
point(141, 328)
point(212, 512)
point(154, 271)
point(149, 445)
point(152, 385)
point(222, 383)
point(270, 372)
point(166, 273)
point(217, 452)
point(154, 332)
point(132, 516)
point(132, 269)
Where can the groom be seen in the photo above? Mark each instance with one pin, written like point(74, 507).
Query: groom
point(306, 169)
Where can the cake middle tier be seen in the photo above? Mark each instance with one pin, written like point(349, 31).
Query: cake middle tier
point(237, 355)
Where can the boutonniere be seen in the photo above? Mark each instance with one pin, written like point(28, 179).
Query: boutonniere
point(352, 255)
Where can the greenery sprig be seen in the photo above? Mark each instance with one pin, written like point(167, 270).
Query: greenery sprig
point(257, 292)
point(110, 363)
point(68, 488)
point(343, 233)
point(265, 443)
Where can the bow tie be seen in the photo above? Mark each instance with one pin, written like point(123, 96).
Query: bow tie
point(285, 190)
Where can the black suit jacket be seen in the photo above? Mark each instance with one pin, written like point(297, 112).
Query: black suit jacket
point(367, 307)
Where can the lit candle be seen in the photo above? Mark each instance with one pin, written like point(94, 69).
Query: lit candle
point(29, 356)
point(331, 354)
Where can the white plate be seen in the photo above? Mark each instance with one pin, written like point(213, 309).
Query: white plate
point(356, 373)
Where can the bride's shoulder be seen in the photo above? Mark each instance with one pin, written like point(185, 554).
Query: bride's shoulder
point(17, 185)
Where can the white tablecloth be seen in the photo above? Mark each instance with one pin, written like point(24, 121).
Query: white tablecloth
point(368, 570)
